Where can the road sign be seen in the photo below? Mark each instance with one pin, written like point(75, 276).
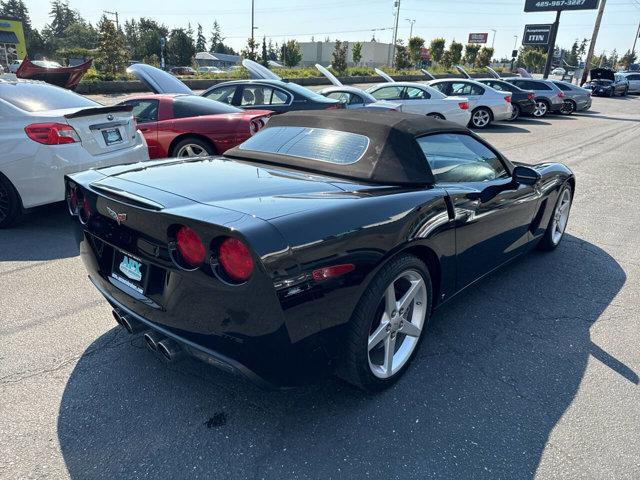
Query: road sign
point(554, 5)
point(478, 37)
point(537, 34)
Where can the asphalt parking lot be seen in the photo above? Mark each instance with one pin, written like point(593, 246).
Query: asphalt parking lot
point(533, 373)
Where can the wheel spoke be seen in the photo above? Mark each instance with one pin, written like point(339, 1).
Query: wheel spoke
point(389, 350)
point(390, 300)
point(408, 297)
point(189, 151)
point(410, 329)
point(380, 334)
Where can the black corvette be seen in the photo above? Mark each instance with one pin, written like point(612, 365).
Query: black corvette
point(321, 244)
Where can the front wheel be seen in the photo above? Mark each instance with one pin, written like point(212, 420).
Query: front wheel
point(558, 221)
point(542, 108)
point(515, 113)
point(480, 118)
point(387, 325)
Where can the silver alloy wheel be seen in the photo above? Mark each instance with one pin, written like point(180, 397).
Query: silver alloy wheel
point(567, 107)
point(560, 216)
point(192, 150)
point(480, 118)
point(394, 337)
point(541, 109)
point(4, 203)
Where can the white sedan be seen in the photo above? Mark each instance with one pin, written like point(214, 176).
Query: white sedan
point(486, 104)
point(47, 132)
point(423, 100)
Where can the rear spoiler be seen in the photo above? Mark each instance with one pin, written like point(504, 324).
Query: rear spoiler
point(85, 112)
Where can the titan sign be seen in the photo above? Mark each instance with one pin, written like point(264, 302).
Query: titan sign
point(536, 34)
point(552, 5)
point(478, 37)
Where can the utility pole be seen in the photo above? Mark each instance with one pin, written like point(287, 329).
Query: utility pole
point(116, 14)
point(252, 18)
point(515, 45)
point(493, 42)
point(552, 45)
point(592, 45)
point(411, 21)
point(395, 34)
point(633, 50)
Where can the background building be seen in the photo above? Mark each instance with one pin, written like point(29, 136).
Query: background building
point(374, 54)
point(12, 44)
point(220, 60)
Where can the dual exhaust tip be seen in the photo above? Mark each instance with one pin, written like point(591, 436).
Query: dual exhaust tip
point(156, 342)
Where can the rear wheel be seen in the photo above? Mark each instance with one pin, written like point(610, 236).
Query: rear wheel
point(10, 208)
point(558, 221)
point(387, 325)
point(568, 107)
point(480, 118)
point(625, 92)
point(435, 115)
point(542, 108)
point(515, 113)
point(192, 147)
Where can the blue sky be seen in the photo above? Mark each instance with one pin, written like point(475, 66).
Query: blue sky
point(355, 19)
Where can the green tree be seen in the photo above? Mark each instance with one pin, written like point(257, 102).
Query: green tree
point(291, 53)
point(402, 59)
point(61, 17)
point(201, 41)
point(216, 44)
point(250, 51)
point(532, 58)
point(628, 58)
point(470, 53)
point(356, 52)
point(112, 54)
point(447, 59)
point(272, 51)
point(437, 49)
point(180, 48)
point(455, 50)
point(264, 58)
point(416, 44)
point(339, 57)
point(484, 57)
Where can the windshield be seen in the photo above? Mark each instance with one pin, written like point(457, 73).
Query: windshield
point(40, 97)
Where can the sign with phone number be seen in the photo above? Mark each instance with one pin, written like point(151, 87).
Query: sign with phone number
point(550, 5)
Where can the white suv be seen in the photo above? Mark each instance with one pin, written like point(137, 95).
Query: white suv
point(47, 132)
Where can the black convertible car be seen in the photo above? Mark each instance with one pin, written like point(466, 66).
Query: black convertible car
point(321, 244)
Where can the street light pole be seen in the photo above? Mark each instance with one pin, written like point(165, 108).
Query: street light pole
point(515, 45)
point(252, 18)
point(395, 34)
point(411, 21)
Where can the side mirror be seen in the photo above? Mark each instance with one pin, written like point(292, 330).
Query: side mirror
point(525, 175)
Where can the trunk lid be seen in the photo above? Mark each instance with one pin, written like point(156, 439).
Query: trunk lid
point(158, 81)
point(104, 129)
point(601, 74)
point(263, 191)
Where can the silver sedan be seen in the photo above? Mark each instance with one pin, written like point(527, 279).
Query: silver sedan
point(576, 98)
point(486, 104)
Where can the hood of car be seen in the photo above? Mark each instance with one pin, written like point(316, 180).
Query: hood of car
point(601, 74)
point(158, 81)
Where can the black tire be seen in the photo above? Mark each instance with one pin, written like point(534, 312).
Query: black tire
point(10, 205)
point(516, 113)
point(568, 107)
point(354, 363)
point(625, 92)
point(547, 242)
point(197, 143)
point(436, 115)
point(474, 123)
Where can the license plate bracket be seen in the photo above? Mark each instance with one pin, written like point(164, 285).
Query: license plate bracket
point(130, 271)
point(111, 136)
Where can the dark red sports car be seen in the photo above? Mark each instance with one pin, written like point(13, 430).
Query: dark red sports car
point(179, 125)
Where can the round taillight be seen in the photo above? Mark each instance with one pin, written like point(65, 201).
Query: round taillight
point(85, 211)
point(72, 200)
point(235, 259)
point(190, 246)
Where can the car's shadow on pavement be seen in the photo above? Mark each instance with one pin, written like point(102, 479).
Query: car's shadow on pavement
point(44, 234)
point(498, 369)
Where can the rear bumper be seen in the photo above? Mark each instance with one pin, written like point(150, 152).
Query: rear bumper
point(502, 112)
